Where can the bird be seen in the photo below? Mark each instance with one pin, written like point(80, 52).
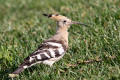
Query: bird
point(52, 49)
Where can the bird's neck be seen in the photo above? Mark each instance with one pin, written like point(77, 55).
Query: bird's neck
point(61, 30)
point(62, 34)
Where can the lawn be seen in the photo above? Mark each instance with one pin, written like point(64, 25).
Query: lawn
point(23, 28)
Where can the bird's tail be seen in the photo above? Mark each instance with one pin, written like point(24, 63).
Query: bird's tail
point(22, 66)
point(17, 71)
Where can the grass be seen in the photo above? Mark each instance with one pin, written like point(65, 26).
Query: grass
point(23, 28)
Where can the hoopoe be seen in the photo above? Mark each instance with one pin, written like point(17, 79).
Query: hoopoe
point(50, 50)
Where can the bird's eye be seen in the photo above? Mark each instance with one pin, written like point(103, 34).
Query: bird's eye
point(64, 21)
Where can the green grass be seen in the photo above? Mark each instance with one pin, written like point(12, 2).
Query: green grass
point(23, 28)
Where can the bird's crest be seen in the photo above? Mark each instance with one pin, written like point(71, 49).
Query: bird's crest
point(56, 17)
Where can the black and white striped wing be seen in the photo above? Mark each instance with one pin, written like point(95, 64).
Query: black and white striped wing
point(48, 50)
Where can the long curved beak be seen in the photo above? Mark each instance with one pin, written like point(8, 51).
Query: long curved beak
point(75, 22)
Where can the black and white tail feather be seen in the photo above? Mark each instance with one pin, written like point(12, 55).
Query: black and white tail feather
point(47, 53)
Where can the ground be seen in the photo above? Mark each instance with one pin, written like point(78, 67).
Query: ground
point(23, 28)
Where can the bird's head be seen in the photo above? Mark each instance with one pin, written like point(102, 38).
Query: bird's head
point(62, 20)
